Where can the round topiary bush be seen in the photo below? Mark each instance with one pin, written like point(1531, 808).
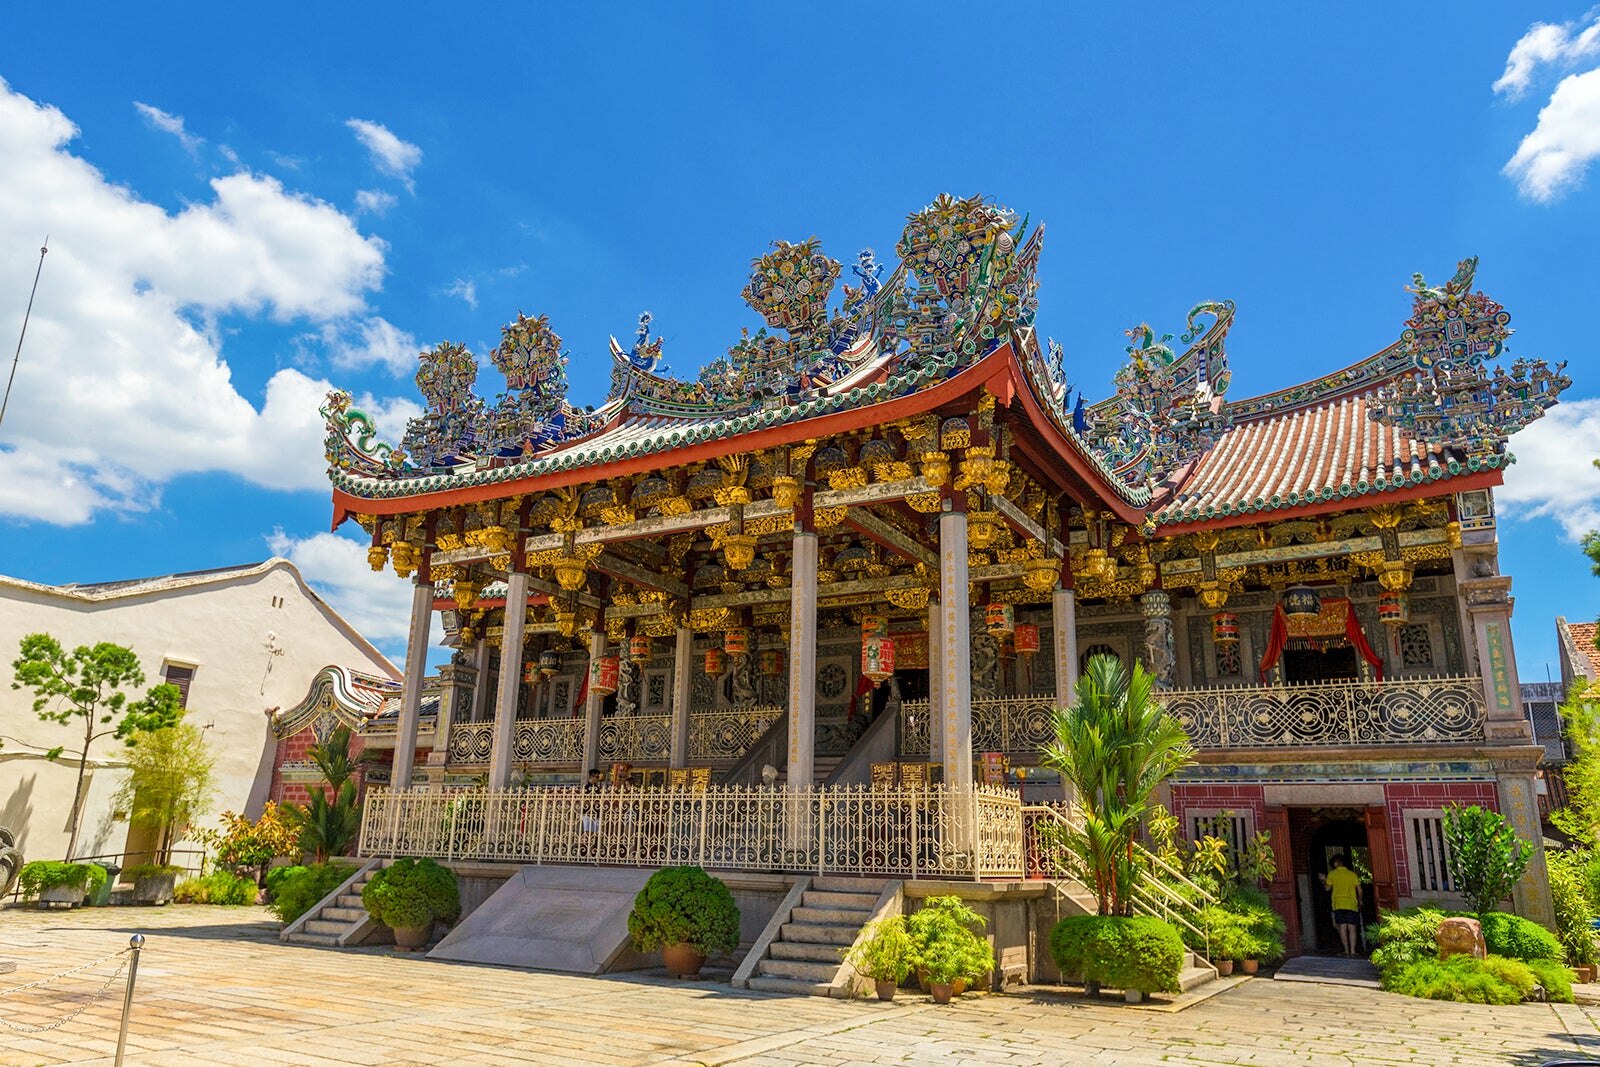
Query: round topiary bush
point(1137, 953)
point(684, 905)
point(1517, 938)
point(410, 893)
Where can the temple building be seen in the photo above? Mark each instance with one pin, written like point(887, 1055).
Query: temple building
point(876, 543)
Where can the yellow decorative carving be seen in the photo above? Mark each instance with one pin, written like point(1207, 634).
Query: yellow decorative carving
point(981, 528)
point(1386, 516)
point(704, 619)
point(785, 491)
point(936, 467)
point(570, 571)
point(449, 542)
point(891, 472)
point(739, 550)
point(674, 505)
point(847, 478)
point(1452, 535)
point(405, 558)
point(926, 503)
point(828, 518)
point(377, 556)
point(1213, 596)
point(1040, 574)
point(1395, 575)
point(913, 598)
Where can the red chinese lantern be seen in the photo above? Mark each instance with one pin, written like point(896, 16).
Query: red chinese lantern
point(714, 661)
point(530, 672)
point(1394, 608)
point(736, 642)
point(1026, 638)
point(1000, 618)
point(639, 649)
point(603, 674)
point(877, 658)
point(772, 663)
point(1225, 628)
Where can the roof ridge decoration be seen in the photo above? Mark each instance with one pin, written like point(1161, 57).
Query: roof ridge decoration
point(1449, 397)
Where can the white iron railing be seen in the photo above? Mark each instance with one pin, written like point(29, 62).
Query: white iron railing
point(1001, 724)
point(942, 831)
point(716, 738)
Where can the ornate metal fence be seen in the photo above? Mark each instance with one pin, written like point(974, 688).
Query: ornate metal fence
point(1004, 724)
point(533, 741)
point(948, 832)
point(715, 738)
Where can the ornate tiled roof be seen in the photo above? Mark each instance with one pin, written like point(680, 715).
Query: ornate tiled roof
point(336, 695)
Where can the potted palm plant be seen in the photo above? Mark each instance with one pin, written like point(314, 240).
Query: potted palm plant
point(409, 896)
point(947, 949)
point(688, 915)
point(885, 955)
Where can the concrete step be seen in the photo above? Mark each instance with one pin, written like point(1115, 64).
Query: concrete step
point(343, 914)
point(1190, 977)
point(813, 934)
point(798, 971)
point(830, 884)
point(299, 937)
point(349, 900)
point(813, 898)
point(831, 916)
point(329, 927)
point(810, 952)
point(766, 984)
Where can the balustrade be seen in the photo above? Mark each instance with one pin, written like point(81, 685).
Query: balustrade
point(716, 737)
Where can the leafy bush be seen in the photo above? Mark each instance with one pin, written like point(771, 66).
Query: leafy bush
point(1486, 856)
point(148, 870)
point(218, 887)
point(296, 890)
point(1228, 934)
point(1406, 937)
point(1263, 927)
point(1462, 978)
point(43, 875)
point(411, 893)
point(1137, 952)
point(946, 943)
point(1520, 939)
point(1574, 913)
point(243, 845)
point(887, 954)
point(96, 881)
point(684, 905)
point(1555, 978)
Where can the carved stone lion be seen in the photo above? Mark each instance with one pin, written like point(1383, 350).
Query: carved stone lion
point(1460, 937)
point(11, 861)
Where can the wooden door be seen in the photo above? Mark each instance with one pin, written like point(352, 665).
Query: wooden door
point(1381, 855)
point(1282, 889)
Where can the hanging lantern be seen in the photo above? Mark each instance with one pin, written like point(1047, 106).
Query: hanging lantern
point(1000, 618)
point(1394, 608)
point(877, 658)
point(715, 661)
point(639, 648)
point(736, 641)
point(1301, 600)
point(603, 674)
point(874, 626)
point(1225, 628)
point(549, 662)
point(531, 673)
point(1026, 638)
point(772, 663)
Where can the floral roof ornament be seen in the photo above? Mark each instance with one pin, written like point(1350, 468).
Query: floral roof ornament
point(789, 286)
point(945, 241)
point(451, 427)
point(532, 413)
point(1450, 396)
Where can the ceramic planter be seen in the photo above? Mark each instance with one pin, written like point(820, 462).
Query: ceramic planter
point(412, 938)
point(1224, 967)
point(69, 895)
point(682, 960)
point(1249, 966)
point(942, 992)
point(1585, 972)
point(886, 988)
point(958, 986)
point(1133, 996)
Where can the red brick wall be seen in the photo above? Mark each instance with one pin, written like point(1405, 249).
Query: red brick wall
point(1211, 797)
point(1399, 796)
point(295, 749)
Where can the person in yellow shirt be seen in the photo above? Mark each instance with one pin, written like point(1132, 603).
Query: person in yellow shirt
point(1344, 886)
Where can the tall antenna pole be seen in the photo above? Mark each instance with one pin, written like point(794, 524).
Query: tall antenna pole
point(4, 402)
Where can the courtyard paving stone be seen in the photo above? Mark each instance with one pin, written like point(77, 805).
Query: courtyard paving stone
point(216, 987)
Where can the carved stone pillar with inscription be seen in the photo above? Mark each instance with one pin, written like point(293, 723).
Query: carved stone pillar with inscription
point(935, 681)
point(682, 690)
point(955, 714)
point(457, 679)
point(803, 661)
point(1160, 656)
point(1519, 804)
point(1064, 619)
point(1489, 606)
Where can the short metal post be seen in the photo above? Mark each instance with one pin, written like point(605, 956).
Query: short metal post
point(135, 943)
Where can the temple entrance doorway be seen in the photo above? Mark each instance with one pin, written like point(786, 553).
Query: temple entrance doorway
point(1310, 666)
point(1317, 835)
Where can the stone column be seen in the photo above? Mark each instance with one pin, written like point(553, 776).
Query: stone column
point(1489, 606)
point(591, 706)
point(505, 706)
point(803, 661)
point(1160, 658)
point(955, 713)
point(405, 741)
point(480, 689)
point(682, 693)
point(1514, 786)
point(1064, 623)
point(935, 682)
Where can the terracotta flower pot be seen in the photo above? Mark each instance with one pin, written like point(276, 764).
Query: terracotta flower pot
point(1249, 966)
point(942, 992)
point(922, 980)
point(412, 938)
point(958, 986)
point(682, 960)
point(1224, 967)
point(886, 988)
point(1585, 972)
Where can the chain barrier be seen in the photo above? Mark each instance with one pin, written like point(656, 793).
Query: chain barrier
point(80, 1009)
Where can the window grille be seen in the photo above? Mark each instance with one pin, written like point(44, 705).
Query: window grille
point(1091, 652)
point(1229, 664)
point(1428, 852)
point(1416, 646)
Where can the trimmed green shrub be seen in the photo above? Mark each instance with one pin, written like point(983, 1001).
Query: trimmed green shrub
point(684, 905)
point(1510, 935)
point(1460, 978)
point(42, 875)
point(296, 890)
point(1228, 934)
point(1555, 978)
point(96, 881)
point(1406, 937)
point(218, 887)
point(411, 893)
point(1137, 952)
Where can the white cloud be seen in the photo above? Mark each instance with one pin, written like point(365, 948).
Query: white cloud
point(1554, 475)
point(380, 342)
point(390, 154)
point(376, 603)
point(374, 201)
point(466, 289)
point(167, 122)
point(1557, 153)
point(122, 384)
point(1548, 43)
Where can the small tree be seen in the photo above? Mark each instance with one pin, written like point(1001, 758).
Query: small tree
point(242, 845)
point(88, 684)
point(1116, 745)
point(1579, 819)
point(1486, 855)
point(169, 783)
point(328, 827)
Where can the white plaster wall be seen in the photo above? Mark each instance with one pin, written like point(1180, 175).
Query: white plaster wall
point(222, 628)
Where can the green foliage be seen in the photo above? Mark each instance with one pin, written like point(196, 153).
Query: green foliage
point(136, 871)
point(1140, 952)
point(1492, 980)
point(244, 845)
point(1510, 935)
point(1486, 855)
point(1258, 864)
point(887, 952)
point(96, 881)
point(411, 893)
point(87, 684)
point(1555, 978)
point(1579, 819)
point(684, 905)
point(1115, 745)
point(169, 783)
point(218, 887)
point(1403, 938)
point(1574, 912)
point(945, 941)
point(296, 890)
point(42, 875)
point(1227, 933)
point(328, 827)
point(1591, 548)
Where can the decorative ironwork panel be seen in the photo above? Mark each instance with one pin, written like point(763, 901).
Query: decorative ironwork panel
point(1411, 710)
point(726, 735)
point(471, 742)
point(1006, 724)
point(635, 739)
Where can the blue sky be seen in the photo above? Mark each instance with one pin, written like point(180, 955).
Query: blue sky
point(245, 209)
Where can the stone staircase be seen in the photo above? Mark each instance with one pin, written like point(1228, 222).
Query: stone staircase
point(807, 955)
point(327, 923)
point(1196, 972)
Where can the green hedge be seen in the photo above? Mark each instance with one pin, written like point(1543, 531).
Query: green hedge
point(1491, 980)
point(1510, 935)
point(411, 893)
point(218, 887)
point(1139, 953)
point(42, 875)
point(296, 890)
point(684, 905)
